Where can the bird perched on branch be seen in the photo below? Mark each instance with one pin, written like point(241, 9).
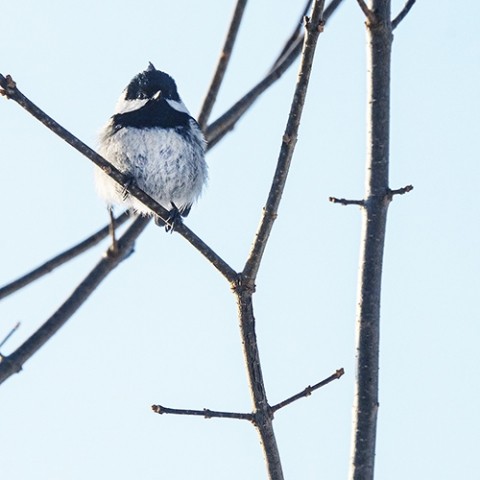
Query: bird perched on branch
point(153, 139)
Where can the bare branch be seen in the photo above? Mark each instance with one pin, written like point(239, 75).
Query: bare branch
point(60, 259)
point(226, 122)
point(399, 191)
point(344, 201)
point(308, 390)
point(206, 413)
point(295, 38)
point(313, 28)
point(9, 334)
point(13, 93)
point(212, 93)
point(368, 13)
point(13, 363)
point(403, 13)
point(374, 219)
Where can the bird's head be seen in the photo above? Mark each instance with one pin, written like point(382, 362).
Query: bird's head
point(150, 85)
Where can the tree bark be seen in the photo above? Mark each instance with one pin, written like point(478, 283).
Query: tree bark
point(377, 198)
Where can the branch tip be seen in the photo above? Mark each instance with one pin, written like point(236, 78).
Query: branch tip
point(206, 413)
point(345, 201)
point(8, 84)
point(399, 191)
point(308, 390)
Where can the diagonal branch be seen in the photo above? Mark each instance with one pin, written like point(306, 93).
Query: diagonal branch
point(368, 13)
point(13, 363)
point(308, 391)
point(222, 65)
point(226, 122)
point(9, 334)
point(313, 28)
point(60, 259)
point(12, 92)
point(296, 37)
point(403, 13)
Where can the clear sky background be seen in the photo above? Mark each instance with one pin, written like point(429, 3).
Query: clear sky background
point(162, 328)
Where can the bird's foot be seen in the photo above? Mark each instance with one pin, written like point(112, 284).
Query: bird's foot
point(173, 220)
point(130, 182)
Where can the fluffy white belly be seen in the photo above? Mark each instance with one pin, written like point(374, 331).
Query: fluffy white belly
point(162, 162)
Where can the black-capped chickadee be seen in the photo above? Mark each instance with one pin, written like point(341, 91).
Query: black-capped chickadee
point(153, 139)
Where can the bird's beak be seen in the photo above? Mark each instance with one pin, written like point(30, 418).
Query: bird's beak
point(158, 95)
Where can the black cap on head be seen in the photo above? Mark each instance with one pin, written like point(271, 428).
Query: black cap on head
point(148, 83)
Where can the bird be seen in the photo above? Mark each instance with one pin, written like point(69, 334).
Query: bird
point(153, 140)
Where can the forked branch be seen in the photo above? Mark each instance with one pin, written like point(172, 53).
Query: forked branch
point(403, 13)
point(245, 286)
point(207, 413)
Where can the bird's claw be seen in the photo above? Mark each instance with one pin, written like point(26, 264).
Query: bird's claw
point(173, 220)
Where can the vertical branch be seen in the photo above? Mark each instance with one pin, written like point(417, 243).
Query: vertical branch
point(262, 413)
point(379, 40)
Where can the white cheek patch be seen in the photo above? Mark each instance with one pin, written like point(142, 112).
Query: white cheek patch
point(178, 106)
point(124, 106)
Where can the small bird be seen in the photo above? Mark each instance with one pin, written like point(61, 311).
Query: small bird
point(153, 139)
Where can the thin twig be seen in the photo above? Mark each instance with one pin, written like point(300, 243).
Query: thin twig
point(222, 65)
point(15, 94)
point(9, 334)
point(403, 13)
point(206, 413)
point(344, 201)
point(313, 28)
point(60, 259)
point(308, 391)
point(14, 362)
point(368, 13)
point(227, 121)
point(295, 38)
point(399, 191)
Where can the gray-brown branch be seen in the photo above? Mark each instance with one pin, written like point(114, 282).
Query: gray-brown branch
point(227, 121)
point(206, 413)
point(308, 390)
point(13, 363)
point(403, 13)
point(379, 40)
point(289, 141)
point(60, 259)
point(222, 65)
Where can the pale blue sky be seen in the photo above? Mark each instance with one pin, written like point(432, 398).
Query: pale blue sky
point(163, 329)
